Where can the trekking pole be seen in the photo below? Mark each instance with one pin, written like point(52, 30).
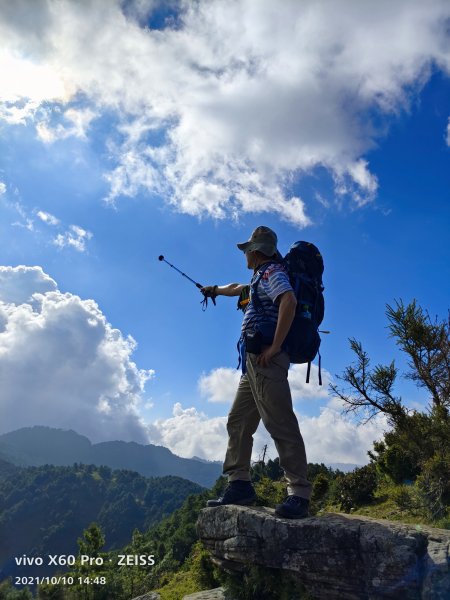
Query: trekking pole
point(198, 285)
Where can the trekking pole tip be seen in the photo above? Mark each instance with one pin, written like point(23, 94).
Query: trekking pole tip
point(161, 257)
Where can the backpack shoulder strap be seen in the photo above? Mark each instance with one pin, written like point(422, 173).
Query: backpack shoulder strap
point(254, 285)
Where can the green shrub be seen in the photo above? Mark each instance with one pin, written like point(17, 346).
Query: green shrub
point(271, 469)
point(398, 464)
point(414, 441)
point(270, 492)
point(321, 487)
point(356, 488)
point(434, 486)
point(8, 592)
point(402, 496)
point(197, 573)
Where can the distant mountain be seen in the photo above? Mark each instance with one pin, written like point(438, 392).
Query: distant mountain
point(44, 510)
point(208, 462)
point(35, 446)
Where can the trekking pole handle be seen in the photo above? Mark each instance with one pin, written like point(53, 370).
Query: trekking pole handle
point(213, 298)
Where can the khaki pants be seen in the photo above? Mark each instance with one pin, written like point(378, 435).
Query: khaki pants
point(264, 393)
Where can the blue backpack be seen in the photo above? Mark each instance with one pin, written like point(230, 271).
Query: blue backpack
point(305, 267)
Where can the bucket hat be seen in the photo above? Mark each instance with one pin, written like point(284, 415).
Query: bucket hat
point(263, 239)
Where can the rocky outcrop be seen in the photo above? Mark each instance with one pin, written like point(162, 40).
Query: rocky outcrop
point(335, 556)
point(215, 594)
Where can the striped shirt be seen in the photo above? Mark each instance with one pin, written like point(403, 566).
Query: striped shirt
point(263, 314)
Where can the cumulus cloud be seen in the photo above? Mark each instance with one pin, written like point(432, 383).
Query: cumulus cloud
point(18, 284)
point(189, 432)
point(219, 385)
point(448, 133)
point(332, 438)
point(329, 437)
point(221, 112)
point(305, 391)
point(62, 364)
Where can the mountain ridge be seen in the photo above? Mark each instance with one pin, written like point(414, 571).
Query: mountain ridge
point(40, 445)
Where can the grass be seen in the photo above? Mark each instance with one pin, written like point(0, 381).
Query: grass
point(396, 503)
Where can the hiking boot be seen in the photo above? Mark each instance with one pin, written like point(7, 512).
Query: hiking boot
point(293, 507)
point(237, 492)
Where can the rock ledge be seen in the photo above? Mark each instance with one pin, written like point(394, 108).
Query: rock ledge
point(335, 556)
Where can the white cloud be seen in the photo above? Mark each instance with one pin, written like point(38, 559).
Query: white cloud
point(305, 391)
point(332, 438)
point(76, 237)
point(329, 437)
point(12, 204)
point(79, 121)
point(364, 180)
point(448, 133)
point(62, 364)
point(244, 95)
point(25, 85)
point(26, 222)
point(47, 218)
point(18, 284)
point(220, 384)
point(14, 114)
point(135, 172)
point(190, 432)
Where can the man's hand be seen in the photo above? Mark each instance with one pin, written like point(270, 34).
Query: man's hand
point(286, 313)
point(266, 355)
point(210, 291)
point(232, 289)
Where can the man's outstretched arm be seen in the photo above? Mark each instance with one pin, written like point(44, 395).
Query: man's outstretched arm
point(232, 289)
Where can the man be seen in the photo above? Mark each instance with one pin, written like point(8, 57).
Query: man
point(263, 391)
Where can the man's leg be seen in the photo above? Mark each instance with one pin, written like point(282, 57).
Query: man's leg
point(272, 394)
point(243, 421)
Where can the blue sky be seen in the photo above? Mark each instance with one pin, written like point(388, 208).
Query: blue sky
point(130, 130)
